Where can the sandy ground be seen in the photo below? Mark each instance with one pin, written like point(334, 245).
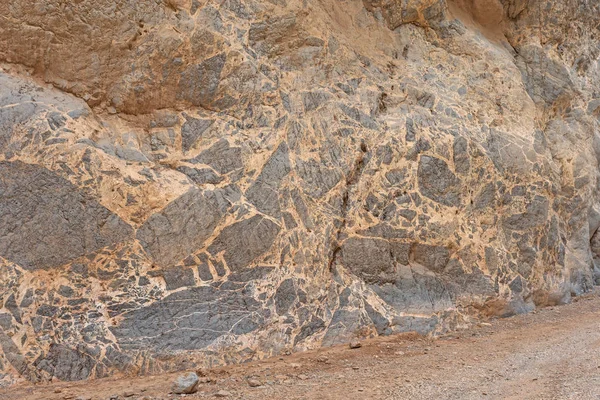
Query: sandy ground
point(553, 353)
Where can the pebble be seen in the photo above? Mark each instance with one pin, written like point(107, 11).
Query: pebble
point(355, 344)
point(185, 384)
point(302, 377)
point(254, 383)
point(222, 393)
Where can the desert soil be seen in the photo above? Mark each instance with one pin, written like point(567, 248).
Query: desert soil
point(553, 353)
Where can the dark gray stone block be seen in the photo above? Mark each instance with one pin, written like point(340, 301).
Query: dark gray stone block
point(462, 161)
point(285, 296)
point(189, 320)
point(66, 364)
point(438, 183)
point(536, 214)
point(434, 258)
point(221, 157)
point(245, 241)
point(46, 222)
point(180, 228)
point(192, 130)
point(264, 193)
point(200, 176)
point(369, 258)
point(319, 178)
point(486, 198)
point(177, 277)
point(199, 83)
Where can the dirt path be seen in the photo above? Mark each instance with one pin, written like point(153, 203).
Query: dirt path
point(551, 354)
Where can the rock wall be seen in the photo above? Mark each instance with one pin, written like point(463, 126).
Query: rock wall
point(189, 183)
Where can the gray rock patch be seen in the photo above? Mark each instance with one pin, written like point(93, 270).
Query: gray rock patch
point(46, 222)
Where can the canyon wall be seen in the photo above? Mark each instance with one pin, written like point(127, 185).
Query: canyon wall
point(191, 183)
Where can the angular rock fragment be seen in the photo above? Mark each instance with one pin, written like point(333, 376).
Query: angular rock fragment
point(190, 319)
point(186, 384)
point(46, 222)
point(434, 258)
point(264, 192)
point(221, 157)
point(199, 83)
point(370, 259)
point(192, 130)
point(438, 182)
point(180, 228)
point(243, 242)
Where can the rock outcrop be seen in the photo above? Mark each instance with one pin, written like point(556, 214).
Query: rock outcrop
point(188, 183)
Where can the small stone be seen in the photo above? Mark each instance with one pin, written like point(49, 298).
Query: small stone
point(355, 344)
point(254, 383)
point(185, 384)
point(57, 391)
point(222, 393)
point(128, 394)
point(302, 377)
point(322, 359)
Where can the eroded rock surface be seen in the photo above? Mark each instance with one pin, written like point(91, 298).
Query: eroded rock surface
point(186, 184)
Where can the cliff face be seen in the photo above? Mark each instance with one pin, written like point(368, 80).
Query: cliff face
point(192, 183)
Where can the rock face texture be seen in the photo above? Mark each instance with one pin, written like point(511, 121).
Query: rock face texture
point(188, 183)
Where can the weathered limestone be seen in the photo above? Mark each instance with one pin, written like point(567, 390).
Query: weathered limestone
point(185, 184)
